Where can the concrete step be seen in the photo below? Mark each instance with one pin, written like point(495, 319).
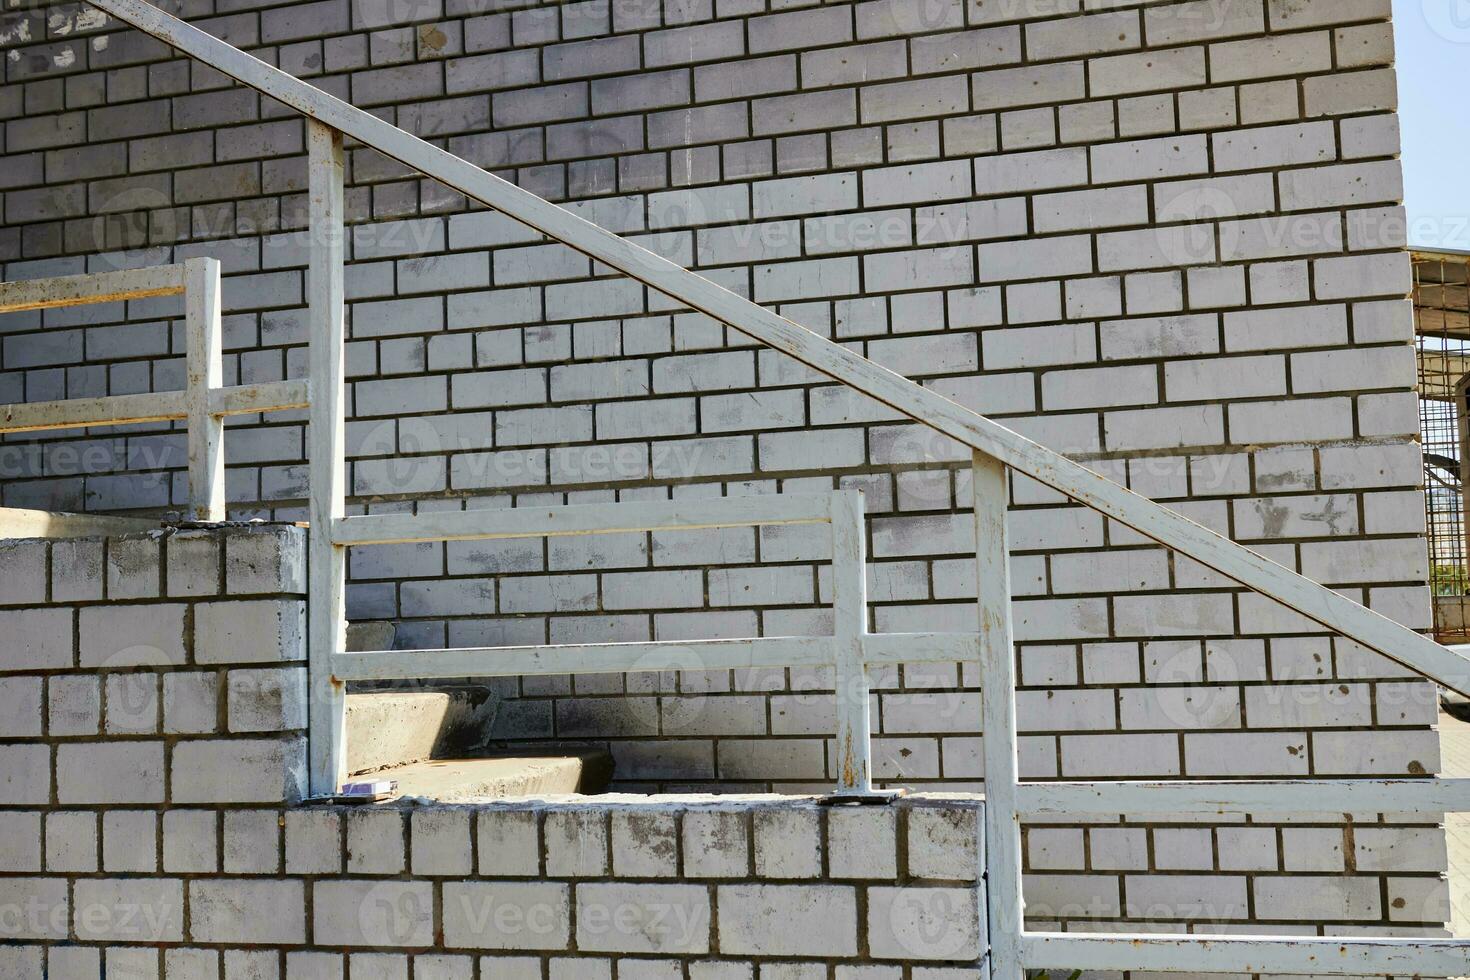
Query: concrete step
point(466, 780)
point(396, 728)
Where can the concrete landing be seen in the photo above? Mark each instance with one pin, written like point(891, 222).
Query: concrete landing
point(467, 780)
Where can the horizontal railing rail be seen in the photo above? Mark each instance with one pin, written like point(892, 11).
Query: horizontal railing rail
point(996, 449)
point(94, 287)
point(531, 522)
point(654, 655)
point(204, 402)
point(158, 406)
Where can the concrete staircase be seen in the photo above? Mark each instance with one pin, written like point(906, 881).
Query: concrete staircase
point(434, 743)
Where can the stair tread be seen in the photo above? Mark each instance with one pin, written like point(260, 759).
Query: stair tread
point(501, 777)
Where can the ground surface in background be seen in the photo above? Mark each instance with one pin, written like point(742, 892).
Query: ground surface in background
point(1454, 740)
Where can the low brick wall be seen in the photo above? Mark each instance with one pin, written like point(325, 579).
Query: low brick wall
point(153, 700)
point(525, 890)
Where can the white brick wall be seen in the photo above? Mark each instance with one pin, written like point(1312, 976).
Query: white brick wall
point(1161, 237)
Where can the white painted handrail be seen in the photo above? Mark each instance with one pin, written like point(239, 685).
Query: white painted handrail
point(204, 401)
point(551, 522)
point(742, 653)
point(95, 287)
point(1165, 526)
point(156, 406)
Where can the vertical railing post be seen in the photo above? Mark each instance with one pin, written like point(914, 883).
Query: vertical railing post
point(204, 369)
point(998, 723)
point(327, 610)
point(849, 626)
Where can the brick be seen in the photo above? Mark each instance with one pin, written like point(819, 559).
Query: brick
point(1290, 15)
point(1316, 897)
point(123, 636)
point(644, 845)
point(1035, 258)
point(907, 99)
point(268, 560)
point(191, 964)
point(1362, 275)
point(27, 560)
point(1148, 71)
point(110, 772)
point(364, 912)
point(847, 65)
point(313, 842)
point(242, 770)
point(915, 923)
point(76, 569)
point(266, 700)
point(190, 702)
point(247, 911)
point(794, 113)
point(1262, 57)
point(1172, 156)
point(942, 843)
point(905, 17)
point(715, 845)
point(786, 920)
point(375, 842)
point(252, 840)
point(20, 842)
point(1203, 20)
point(788, 844)
point(71, 841)
point(132, 704)
point(699, 42)
point(106, 909)
point(21, 714)
point(39, 638)
point(1365, 91)
point(643, 918)
point(249, 631)
point(800, 28)
point(576, 843)
point(1010, 88)
point(1090, 209)
point(1315, 326)
point(519, 929)
point(26, 776)
point(47, 900)
point(509, 843)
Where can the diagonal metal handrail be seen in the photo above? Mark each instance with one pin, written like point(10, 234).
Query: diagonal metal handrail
point(1167, 527)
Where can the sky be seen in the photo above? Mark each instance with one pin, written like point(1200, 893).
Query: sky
point(1433, 38)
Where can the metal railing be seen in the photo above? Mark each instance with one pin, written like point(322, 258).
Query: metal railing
point(850, 650)
point(204, 402)
point(996, 450)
